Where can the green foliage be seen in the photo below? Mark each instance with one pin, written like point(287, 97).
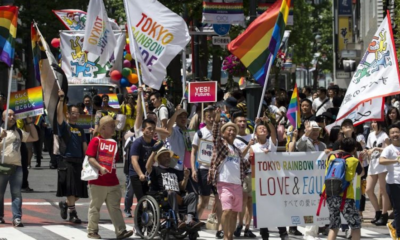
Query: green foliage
point(396, 21)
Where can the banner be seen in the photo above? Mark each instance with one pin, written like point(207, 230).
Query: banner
point(74, 19)
point(27, 103)
point(106, 153)
point(373, 110)
point(99, 37)
point(202, 92)
point(223, 12)
point(377, 75)
point(160, 34)
point(345, 8)
point(85, 68)
point(85, 122)
point(288, 187)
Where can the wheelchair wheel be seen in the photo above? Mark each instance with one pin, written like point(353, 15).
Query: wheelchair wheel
point(147, 217)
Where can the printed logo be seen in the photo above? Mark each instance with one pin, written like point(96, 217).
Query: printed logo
point(296, 220)
point(308, 219)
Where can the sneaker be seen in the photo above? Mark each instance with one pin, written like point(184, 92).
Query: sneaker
point(219, 235)
point(125, 234)
point(348, 234)
point(27, 189)
point(392, 230)
point(249, 234)
point(295, 232)
point(63, 209)
point(17, 223)
point(2, 220)
point(284, 236)
point(238, 231)
point(73, 217)
point(94, 236)
point(128, 214)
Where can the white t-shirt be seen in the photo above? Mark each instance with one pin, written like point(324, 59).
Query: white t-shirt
point(12, 153)
point(162, 113)
point(230, 169)
point(392, 152)
point(259, 148)
point(317, 102)
point(376, 141)
point(206, 135)
point(241, 145)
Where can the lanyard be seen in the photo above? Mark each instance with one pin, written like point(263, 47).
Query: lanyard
point(186, 140)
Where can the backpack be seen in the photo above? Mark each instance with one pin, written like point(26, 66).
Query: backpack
point(335, 180)
point(170, 107)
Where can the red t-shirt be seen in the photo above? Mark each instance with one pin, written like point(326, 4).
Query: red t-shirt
point(109, 179)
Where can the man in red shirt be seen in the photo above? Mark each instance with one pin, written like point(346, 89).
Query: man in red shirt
point(102, 153)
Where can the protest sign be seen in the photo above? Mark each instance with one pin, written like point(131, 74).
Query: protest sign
point(201, 92)
point(288, 187)
point(205, 152)
point(27, 103)
point(106, 154)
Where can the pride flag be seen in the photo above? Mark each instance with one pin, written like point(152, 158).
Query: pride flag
point(262, 39)
point(36, 51)
point(293, 113)
point(8, 33)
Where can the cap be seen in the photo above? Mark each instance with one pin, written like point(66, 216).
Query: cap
point(230, 102)
point(230, 124)
point(314, 125)
point(210, 107)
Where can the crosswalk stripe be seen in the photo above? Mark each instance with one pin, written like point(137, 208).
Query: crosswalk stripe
point(68, 232)
point(13, 233)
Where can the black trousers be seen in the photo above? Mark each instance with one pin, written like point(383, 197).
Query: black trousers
point(264, 232)
point(24, 163)
point(394, 195)
point(189, 200)
point(139, 188)
point(38, 145)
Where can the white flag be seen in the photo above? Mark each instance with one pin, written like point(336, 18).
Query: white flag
point(377, 74)
point(99, 37)
point(160, 34)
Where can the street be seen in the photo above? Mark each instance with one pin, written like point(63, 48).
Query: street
point(42, 220)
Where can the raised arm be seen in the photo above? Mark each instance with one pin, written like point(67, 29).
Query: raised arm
point(139, 110)
point(60, 107)
point(33, 134)
point(172, 121)
point(216, 129)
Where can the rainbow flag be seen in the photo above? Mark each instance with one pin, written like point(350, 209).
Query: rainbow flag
point(36, 51)
point(260, 42)
point(8, 33)
point(186, 92)
point(293, 113)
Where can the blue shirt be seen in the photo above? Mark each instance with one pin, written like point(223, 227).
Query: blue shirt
point(75, 143)
point(142, 149)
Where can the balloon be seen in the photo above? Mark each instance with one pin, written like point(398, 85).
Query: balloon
point(133, 78)
point(134, 88)
point(124, 82)
point(115, 75)
point(127, 41)
point(128, 56)
point(126, 72)
point(55, 42)
point(127, 64)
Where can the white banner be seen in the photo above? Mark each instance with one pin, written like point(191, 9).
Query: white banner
point(160, 34)
point(74, 19)
point(372, 110)
point(377, 74)
point(99, 37)
point(287, 188)
point(84, 68)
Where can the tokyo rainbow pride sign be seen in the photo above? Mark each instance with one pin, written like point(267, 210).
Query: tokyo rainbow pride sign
point(201, 92)
point(27, 103)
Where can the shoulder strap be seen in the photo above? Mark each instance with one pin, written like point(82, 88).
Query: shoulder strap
point(200, 134)
point(20, 133)
point(242, 139)
point(323, 103)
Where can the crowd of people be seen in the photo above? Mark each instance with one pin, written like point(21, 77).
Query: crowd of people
point(160, 152)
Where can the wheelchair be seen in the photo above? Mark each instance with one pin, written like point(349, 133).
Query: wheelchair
point(154, 217)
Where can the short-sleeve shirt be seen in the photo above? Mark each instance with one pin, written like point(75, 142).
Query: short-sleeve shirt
point(75, 144)
point(392, 152)
point(165, 179)
point(109, 179)
point(162, 113)
point(242, 145)
point(230, 170)
point(143, 150)
point(177, 143)
point(12, 153)
point(206, 135)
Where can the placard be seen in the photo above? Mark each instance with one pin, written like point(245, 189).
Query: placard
point(106, 153)
point(202, 92)
point(205, 152)
point(27, 103)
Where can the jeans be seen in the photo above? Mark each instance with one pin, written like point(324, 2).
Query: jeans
point(394, 194)
point(128, 194)
point(15, 187)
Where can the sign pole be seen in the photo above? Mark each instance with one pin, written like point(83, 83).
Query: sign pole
point(7, 110)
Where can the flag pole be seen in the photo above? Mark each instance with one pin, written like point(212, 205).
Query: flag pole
point(184, 100)
point(265, 85)
point(47, 55)
point(7, 108)
point(139, 76)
